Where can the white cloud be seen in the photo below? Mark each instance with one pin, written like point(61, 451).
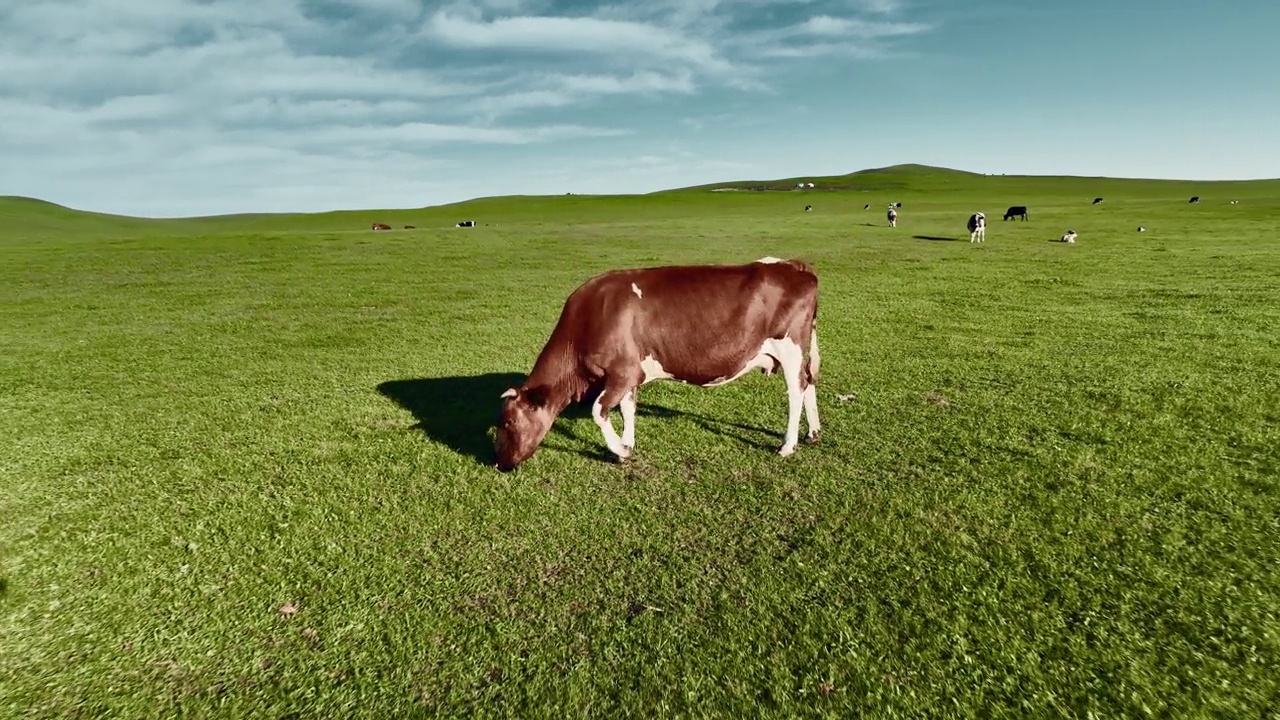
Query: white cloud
point(633, 41)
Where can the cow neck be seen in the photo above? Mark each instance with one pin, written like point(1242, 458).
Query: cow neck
point(555, 371)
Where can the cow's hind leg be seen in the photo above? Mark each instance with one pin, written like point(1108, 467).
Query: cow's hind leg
point(791, 358)
point(810, 392)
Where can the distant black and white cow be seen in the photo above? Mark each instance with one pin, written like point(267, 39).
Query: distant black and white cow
point(1097, 200)
point(807, 208)
point(977, 227)
point(1194, 199)
point(1016, 211)
point(466, 223)
point(898, 205)
point(1070, 237)
point(892, 215)
point(867, 206)
point(1142, 228)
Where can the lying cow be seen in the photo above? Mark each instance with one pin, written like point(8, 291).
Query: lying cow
point(1070, 237)
point(381, 226)
point(623, 329)
point(1016, 211)
point(807, 208)
point(466, 223)
point(977, 227)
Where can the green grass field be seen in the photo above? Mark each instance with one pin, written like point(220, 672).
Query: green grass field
point(246, 469)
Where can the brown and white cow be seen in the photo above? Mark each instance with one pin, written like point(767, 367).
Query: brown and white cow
point(706, 325)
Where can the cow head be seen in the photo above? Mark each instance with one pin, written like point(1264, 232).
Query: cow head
point(522, 424)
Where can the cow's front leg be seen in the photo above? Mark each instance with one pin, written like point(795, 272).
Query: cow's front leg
point(610, 397)
point(628, 406)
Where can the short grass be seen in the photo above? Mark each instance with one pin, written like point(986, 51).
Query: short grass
point(246, 468)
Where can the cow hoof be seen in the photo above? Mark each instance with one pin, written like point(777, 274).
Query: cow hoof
point(813, 437)
point(623, 457)
point(787, 451)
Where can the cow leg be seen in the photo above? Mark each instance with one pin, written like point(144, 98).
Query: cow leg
point(610, 397)
point(791, 358)
point(628, 405)
point(810, 393)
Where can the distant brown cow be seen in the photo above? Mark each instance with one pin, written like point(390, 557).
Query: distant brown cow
point(626, 328)
point(381, 226)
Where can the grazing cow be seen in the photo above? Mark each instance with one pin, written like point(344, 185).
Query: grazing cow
point(1097, 200)
point(892, 215)
point(1142, 228)
point(466, 223)
point(1195, 199)
point(1070, 237)
point(977, 227)
point(625, 328)
point(807, 208)
point(381, 226)
point(1016, 211)
point(867, 206)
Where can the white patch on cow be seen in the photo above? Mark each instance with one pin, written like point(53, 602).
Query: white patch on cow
point(769, 260)
point(611, 439)
point(636, 289)
point(653, 370)
point(628, 406)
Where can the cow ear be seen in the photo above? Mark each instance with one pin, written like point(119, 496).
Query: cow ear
point(510, 393)
point(537, 396)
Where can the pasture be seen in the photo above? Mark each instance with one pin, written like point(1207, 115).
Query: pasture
point(247, 470)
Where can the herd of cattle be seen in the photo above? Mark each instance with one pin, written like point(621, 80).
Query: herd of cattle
point(977, 223)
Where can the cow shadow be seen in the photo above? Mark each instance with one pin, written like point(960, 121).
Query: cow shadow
point(935, 238)
point(461, 411)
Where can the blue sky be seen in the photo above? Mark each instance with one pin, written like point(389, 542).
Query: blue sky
point(189, 107)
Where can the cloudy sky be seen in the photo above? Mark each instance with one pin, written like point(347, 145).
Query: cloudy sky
point(189, 107)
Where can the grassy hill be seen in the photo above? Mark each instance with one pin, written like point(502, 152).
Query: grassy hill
point(920, 185)
point(246, 464)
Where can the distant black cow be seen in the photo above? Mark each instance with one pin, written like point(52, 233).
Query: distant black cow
point(1016, 211)
point(1194, 200)
point(1097, 200)
point(898, 205)
point(410, 227)
point(466, 223)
